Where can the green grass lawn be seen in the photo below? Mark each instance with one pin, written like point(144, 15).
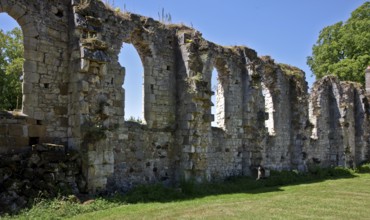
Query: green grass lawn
point(347, 198)
point(334, 193)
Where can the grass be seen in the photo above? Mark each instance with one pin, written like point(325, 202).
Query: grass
point(322, 194)
point(331, 199)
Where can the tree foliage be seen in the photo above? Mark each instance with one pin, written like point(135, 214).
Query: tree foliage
point(11, 63)
point(343, 49)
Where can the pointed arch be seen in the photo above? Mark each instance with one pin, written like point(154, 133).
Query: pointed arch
point(217, 99)
point(269, 110)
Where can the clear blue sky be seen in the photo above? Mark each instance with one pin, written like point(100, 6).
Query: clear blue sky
point(284, 29)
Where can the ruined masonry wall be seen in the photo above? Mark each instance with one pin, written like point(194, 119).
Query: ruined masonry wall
point(145, 157)
point(339, 116)
point(46, 65)
point(74, 95)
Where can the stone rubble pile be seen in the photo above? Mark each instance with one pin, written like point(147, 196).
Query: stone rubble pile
point(45, 171)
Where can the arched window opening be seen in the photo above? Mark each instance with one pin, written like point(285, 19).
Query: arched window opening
point(133, 83)
point(218, 100)
point(269, 110)
point(11, 63)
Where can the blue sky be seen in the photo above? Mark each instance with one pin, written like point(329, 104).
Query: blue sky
point(284, 29)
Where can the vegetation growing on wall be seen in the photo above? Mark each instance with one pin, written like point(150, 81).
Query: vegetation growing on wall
point(291, 70)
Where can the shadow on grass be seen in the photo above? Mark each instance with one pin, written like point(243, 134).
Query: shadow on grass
point(249, 185)
point(69, 206)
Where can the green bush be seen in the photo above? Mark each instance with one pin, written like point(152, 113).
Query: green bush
point(364, 168)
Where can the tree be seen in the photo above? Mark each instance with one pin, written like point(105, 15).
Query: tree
point(11, 63)
point(343, 49)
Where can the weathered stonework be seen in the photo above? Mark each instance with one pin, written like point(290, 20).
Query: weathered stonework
point(43, 170)
point(339, 117)
point(73, 95)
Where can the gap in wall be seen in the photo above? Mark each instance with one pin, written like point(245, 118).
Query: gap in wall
point(133, 83)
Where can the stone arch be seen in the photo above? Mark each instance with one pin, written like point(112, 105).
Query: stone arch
point(143, 50)
point(159, 75)
point(220, 68)
point(129, 52)
point(218, 99)
point(269, 110)
point(19, 12)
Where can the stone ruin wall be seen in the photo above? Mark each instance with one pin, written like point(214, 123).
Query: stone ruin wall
point(73, 97)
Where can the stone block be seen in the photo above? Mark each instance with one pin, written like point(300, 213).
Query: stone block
point(84, 108)
point(53, 156)
point(107, 169)
point(39, 115)
point(33, 55)
point(75, 2)
point(96, 184)
point(16, 130)
point(118, 104)
point(17, 11)
point(29, 30)
point(60, 110)
point(49, 147)
point(94, 158)
point(27, 88)
point(64, 37)
point(63, 88)
point(84, 86)
point(108, 157)
point(3, 130)
point(6, 5)
point(36, 131)
point(53, 33)
point(103, 69)
point(123, 136)
point(188, 165)
point(30, 42)
point(27, 109)
point(25, 19)
point(21, 141)
point(188, 149)
point(63, 122)
point(97, 55)
point(208, 117)
point(31, 77)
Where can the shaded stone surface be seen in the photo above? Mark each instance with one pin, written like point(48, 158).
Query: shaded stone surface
point(41, 171)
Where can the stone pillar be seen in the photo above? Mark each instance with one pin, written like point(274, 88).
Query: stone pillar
point(194, 129)
point(91, 108)
point(367, 79)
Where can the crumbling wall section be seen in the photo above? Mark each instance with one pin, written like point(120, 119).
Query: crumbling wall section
point(99, 89)
point(286, 93)
point(46, 65)
point(40, 171)
point(18, 132)
point(253, 148)
point(338, 115)
point(194, 109)
point(92, 96)
point(227, 140)
point(145, 157)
